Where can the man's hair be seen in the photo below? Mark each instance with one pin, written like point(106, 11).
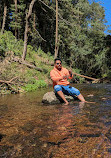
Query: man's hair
point(57, 59)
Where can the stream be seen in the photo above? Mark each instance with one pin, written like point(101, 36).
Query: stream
point(31, 129)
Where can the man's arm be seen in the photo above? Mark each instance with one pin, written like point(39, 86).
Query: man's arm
point(54, 77)
point(68, 75)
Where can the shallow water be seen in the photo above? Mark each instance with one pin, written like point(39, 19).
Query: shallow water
point(29, 129)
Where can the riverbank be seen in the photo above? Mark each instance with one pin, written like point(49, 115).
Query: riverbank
point(17, 76)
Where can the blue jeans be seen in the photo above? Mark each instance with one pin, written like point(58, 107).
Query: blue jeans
point(68, 90)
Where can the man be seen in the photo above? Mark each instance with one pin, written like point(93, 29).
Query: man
point(59, 76)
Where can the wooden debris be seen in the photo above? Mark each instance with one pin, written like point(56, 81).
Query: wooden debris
point(16, 59)
point(91, 78)
point(8, 83)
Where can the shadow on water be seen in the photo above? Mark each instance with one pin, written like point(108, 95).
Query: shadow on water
point(29, 129)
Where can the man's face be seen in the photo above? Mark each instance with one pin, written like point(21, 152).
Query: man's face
point(58, 64)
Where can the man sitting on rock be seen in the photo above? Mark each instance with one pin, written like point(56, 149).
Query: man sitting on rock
point(59, 76)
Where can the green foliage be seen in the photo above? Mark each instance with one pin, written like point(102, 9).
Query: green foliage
point(2, 46)
point(47, 55)
point(40, 52)
point(9, 43)
point(35, 85)
point(109, 75)
point(82, 42)
point(30, 53)
point(82, 36)
point(17, 16)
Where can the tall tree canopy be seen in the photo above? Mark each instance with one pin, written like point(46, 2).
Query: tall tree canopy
point(81, 39)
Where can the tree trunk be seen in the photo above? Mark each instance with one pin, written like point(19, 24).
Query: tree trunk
point(34, 21)
point(25, 40)
point(26, 29)
point(56, 39)
point(15, 17)
point(4, 18)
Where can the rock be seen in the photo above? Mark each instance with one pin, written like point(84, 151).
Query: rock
point(54, 139)
point(88, 132)
point(51, 98)
point(90, 95)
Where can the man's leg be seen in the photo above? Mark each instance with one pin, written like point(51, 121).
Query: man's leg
point(61, 94)
point(58, 90)
point(73, 91)
point(81, 98)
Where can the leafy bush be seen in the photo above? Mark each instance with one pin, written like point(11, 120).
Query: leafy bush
point(40, 52)
point(36, 85)
point(8, 42)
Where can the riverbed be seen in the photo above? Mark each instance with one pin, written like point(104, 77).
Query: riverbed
point(31, 129)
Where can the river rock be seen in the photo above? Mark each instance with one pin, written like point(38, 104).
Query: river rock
point(51, 98)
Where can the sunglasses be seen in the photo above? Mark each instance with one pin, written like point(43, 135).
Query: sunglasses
point(58, 63)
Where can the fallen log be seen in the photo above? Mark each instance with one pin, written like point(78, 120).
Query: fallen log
point(16, 59)
point(91, 78)
point(31, 66)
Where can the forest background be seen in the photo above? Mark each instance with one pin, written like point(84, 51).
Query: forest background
point(27, 41)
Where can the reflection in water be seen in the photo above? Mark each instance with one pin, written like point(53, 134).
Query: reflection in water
point(30, 129)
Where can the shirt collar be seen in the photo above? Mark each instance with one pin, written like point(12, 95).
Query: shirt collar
point(57, 69)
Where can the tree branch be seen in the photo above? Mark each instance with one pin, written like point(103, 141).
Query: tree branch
point(67, 22)
point(91, 78)
point(39, 35)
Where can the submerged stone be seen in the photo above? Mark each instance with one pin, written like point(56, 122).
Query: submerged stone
point(52, 98)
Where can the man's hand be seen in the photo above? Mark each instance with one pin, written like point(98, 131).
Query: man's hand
point(70, 73)
point(66, 77)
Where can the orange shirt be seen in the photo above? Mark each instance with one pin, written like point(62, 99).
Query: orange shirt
point(57, 76)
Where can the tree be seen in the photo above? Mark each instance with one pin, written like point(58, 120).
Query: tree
point(16, 17)
point(26, 28)
point(82, 35)
point(4, 16)
point(80, 26)
point(17, 14)
point(56, 39)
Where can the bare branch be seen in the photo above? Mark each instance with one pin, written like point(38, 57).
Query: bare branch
point(39, 34)
point(60, 16)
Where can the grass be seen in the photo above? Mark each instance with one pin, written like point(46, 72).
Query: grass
point(35, 85)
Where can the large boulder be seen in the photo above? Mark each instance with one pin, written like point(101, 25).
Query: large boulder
point(51, 98)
